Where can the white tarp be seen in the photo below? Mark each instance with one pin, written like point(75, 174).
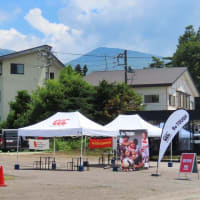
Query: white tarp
point(134, 122)
point(66, 124)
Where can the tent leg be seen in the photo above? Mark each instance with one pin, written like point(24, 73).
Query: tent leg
point(85, 145)
point(17, 149)
point(54, 146)
point(81, 149)
point(17, 164)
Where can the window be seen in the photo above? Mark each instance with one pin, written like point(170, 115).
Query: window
point(51, 75)
point(46, 75)
point(151, 98)
point(183, 100)
point(17, 68)
point(172, 100)
point(188, 102)
point(0, 68)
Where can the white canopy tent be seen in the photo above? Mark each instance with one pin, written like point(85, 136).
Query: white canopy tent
point(66, 124)
point(133, 122)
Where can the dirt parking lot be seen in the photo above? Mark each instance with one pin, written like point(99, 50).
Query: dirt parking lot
point(95, 184)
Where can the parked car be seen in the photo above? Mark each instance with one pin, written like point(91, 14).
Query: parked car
point(8, 140)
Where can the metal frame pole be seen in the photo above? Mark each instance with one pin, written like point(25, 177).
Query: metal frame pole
point(81, 148)
point(17, 149)
point(54, 146)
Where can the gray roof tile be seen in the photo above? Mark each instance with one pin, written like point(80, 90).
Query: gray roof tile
point(140, 77)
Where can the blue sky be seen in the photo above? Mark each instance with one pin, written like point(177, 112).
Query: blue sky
point(78, 26)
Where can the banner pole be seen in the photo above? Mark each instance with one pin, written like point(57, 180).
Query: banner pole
point(171, 151)
point(157, 168)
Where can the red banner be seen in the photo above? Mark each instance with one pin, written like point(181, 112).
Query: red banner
point(187, 161)
point(100, 143)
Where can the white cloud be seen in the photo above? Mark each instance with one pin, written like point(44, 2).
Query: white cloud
point(35, 18)
point(152, 26)
point(12, 39)
point(61, 37)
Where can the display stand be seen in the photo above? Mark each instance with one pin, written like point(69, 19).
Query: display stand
point(188, 165)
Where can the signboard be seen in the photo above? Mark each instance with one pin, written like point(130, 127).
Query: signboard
point(39, 144)
point(100, 143)
point(188, 163)
point(134, 150)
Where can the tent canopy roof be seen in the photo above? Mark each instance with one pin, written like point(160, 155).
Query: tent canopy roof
point(66, 124)
point(134, 122)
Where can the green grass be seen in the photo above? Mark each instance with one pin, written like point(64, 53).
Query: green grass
point(73, 146)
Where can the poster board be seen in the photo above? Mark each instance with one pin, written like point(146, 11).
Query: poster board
point(39, 144)
point(134, 149)
point(188, 165)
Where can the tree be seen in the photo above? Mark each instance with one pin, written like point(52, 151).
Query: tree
point(157, 63)
point(78, 69)
point(188, 54)
point(125, 99)
point(113, 99)
point(85, 70)
point(189, 35)
point(78, 92)
point(18, 108)
point(71, 93)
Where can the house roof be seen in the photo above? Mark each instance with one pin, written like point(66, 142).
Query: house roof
point(140, 77)
point(29, 51)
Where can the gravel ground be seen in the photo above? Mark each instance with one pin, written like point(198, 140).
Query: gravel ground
point(95, 184)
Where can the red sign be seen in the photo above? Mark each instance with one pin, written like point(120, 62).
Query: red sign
point(100, 143)
point(60, 122)
point(187, 161)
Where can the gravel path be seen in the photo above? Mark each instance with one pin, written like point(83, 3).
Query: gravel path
point(96, 184)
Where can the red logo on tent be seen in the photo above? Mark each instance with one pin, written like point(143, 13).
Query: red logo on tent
point(60, 122)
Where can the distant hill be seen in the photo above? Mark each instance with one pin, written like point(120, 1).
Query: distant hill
point(5, 51)
point(102, 58)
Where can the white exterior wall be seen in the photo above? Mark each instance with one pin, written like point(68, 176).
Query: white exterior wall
point(183, 84)
point(161, 91)
point(34, 75)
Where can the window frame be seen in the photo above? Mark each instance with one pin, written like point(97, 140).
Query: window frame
point(16, 71)
point(152, 100)
point(51, 73)
point(172, 100)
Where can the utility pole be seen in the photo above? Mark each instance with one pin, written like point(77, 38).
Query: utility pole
point(46, 54)
point(123, 55)
point(106, 65)
point(125, 66)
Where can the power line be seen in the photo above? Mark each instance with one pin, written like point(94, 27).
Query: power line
point(102, 56)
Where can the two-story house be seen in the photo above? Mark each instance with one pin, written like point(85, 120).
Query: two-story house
point(160, 88)
point(25, 70)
